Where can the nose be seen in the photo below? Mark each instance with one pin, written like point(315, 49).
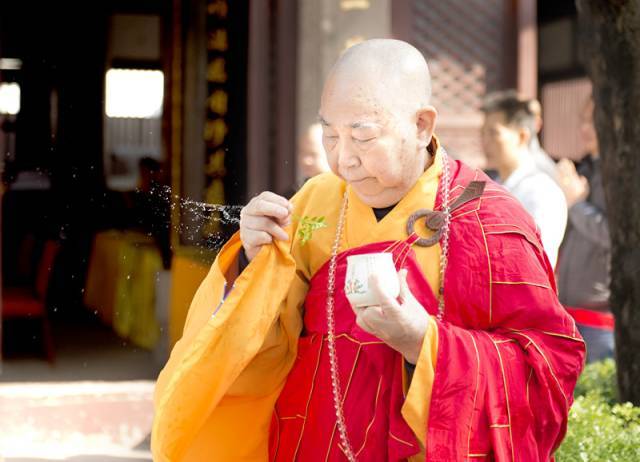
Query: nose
point(347, 157)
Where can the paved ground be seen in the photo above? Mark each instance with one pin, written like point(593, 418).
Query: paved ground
point(61, 421)
point(92, 405)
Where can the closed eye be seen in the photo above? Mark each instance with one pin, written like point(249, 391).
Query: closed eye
point(363, 141)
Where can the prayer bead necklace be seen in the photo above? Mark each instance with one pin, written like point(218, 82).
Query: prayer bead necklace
point(333, 359)
point(444, 250)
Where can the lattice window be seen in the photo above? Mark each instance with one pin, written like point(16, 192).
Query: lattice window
point(464, 43)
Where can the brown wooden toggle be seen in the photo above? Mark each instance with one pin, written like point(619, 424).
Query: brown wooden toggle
point(434, 219)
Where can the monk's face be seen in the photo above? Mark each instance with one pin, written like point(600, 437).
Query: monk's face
point(375, 145)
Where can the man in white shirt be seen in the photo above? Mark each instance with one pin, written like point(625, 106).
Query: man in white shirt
point(508, 129)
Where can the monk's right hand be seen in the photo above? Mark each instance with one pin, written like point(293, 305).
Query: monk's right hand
point(262, 220)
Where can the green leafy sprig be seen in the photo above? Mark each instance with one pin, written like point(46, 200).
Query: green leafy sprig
point(307, 225)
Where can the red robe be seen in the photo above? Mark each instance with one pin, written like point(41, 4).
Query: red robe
point(508, 354)
point(494, 380)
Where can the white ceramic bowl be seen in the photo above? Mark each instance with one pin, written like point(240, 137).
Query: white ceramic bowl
point(360, 267)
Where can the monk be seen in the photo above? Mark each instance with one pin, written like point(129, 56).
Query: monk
point(474, 360)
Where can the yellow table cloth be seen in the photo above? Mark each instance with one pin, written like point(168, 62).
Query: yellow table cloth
point(120, 285)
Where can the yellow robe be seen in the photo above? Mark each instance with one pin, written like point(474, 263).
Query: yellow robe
point(215, 397)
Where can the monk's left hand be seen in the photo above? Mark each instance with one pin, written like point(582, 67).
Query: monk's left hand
point(401, 324)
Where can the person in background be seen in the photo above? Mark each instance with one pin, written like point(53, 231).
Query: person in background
point(509, 126)
point(583, 269)
point(312, 159)
point(542, 159)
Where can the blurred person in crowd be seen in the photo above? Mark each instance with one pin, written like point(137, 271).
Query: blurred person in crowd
point(509, 126)
point(312, 159)
point(542, 159)
point(584, 264)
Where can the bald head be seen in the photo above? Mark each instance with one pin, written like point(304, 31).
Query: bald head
point(392, 71)
point(377, 121)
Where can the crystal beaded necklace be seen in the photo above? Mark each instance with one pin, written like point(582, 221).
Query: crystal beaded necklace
point(333, 359)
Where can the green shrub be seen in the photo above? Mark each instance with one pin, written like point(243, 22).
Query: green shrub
point(599, 432)
point(600, 429)
point(599, 377)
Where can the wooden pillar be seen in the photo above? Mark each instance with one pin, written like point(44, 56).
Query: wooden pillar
point(284, 170)
point(401, 19)
point(258, 100)
point(527, 64)
point(173, 115)
point(271, 123)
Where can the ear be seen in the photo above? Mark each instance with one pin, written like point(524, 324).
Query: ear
point(524, 136)
point(425, 124)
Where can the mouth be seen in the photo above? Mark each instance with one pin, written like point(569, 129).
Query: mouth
point(367, 186)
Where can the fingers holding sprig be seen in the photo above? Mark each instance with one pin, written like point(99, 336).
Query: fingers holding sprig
point(263, 220)
point(272, 206)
